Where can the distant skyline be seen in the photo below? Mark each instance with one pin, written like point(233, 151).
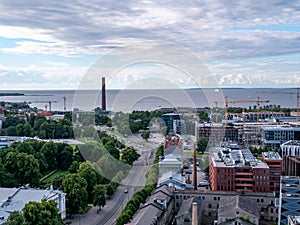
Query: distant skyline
point(51, 44)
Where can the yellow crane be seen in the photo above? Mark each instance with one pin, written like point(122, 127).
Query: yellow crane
point(258, 101)
point(297, 93)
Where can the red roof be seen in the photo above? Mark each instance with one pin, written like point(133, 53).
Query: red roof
point(46, 114)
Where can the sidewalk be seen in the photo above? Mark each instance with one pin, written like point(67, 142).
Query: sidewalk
point(91, 217)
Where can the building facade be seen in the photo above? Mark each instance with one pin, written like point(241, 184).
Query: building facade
point(289, 198)
point(274, 161)
point(274, 136)
point(238, 170)
point(291, 158)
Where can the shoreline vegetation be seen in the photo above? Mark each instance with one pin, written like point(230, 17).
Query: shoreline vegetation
point(11, 94)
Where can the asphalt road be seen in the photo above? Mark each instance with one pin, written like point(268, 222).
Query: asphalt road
point(133, 182)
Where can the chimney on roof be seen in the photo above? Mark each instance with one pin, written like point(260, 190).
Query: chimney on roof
point(195, 169)
point(194, 214)
point(103, 95)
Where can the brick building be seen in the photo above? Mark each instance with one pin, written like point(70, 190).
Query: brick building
point(238, 170)
point(274, 161)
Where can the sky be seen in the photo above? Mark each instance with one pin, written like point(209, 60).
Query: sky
point(52, 44)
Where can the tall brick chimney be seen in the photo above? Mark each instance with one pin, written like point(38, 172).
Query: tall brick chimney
point(103, 95)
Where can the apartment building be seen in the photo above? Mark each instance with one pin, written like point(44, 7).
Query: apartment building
point(274, 161)
point(238, 170)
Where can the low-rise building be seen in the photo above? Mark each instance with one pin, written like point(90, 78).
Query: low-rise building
point(14, 199)
point(234, 209)
point(264, 202)
point(184, 216)
point(158, 208)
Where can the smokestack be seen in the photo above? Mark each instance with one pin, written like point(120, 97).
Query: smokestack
point(103, 95)
point(195, 168)
point(194, 214)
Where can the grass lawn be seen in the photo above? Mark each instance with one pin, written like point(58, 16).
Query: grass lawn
point(87, 208)
point(56, 176)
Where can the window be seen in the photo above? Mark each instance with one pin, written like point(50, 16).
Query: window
point(209, 206)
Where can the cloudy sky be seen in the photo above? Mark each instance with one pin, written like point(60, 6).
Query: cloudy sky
point(51, 44)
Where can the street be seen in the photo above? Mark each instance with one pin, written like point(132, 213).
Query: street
point(133, 182)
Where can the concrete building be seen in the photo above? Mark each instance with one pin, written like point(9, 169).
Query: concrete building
point(238, 170)
point(291, 158)
point(274, 161)
point(289, 198)
point(274, 136)
point(14, 199)
point(184, 216)
point(237, 210)
point(216, 133)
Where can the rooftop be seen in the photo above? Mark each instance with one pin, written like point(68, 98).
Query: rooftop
point(276, 127)
point(291, 142)
point(229, 205)
point(232, 158)
point(14, 199)
point(271, 155)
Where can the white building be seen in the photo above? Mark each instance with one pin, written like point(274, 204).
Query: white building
point(291, 148)
point(14, 199)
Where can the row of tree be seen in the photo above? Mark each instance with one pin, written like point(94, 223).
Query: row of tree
point(97, 179)
point(139, 197)
point(37, 126)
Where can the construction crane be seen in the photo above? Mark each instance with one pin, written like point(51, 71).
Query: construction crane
point(258, 101)
point(289, 93)
point(65, 103)
point(49, 103)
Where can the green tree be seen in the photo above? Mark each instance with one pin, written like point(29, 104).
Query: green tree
point(145, 134)
point(88, 173)
point(24, 168)
point(203, 116)
point(50, 151)
point(75, 187)
point(16, 218)
point(111, 148)
point(99, 196)
point(129, 155)
point(201, 144)
point(12, 131)
point(65, 158)
point(37, 213)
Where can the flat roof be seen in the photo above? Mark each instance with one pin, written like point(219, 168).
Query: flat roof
point(226, 157)
point(271, 155)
